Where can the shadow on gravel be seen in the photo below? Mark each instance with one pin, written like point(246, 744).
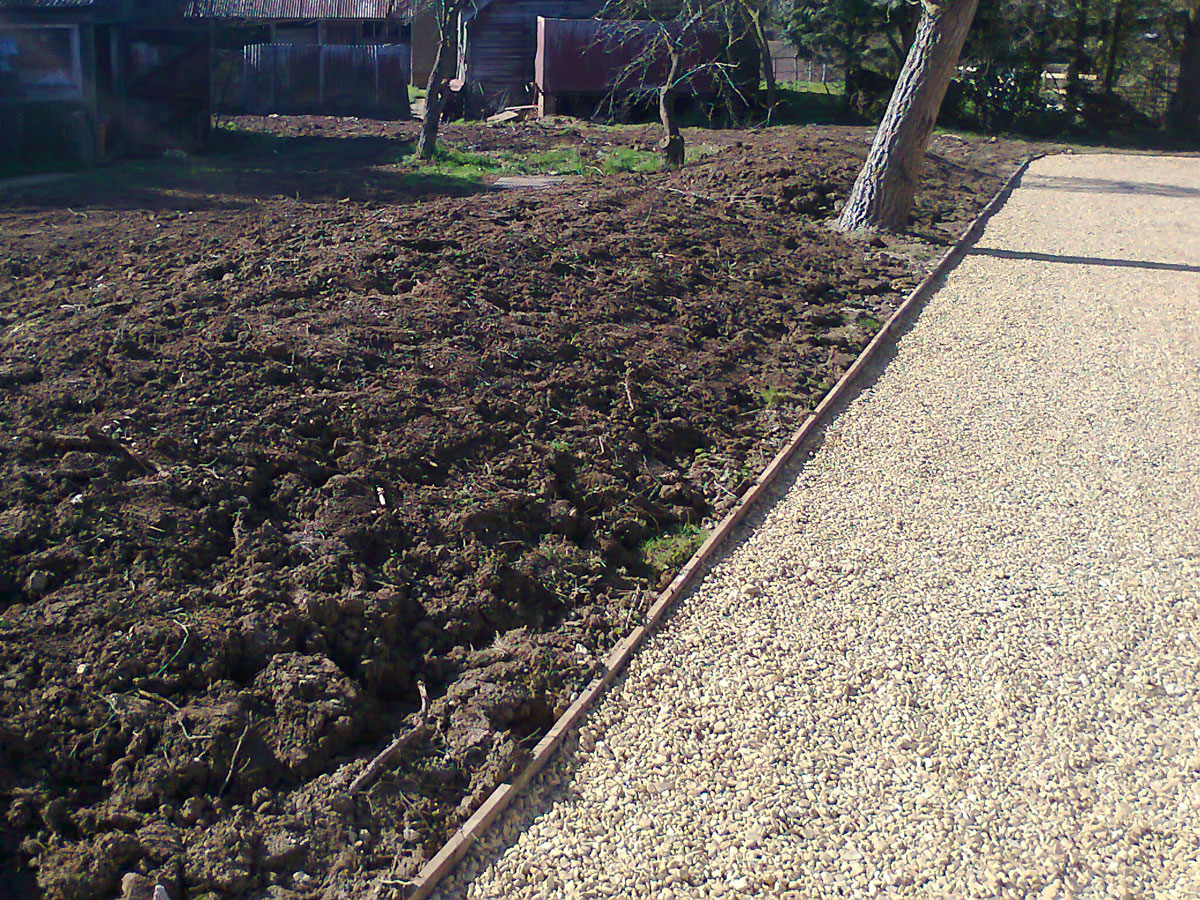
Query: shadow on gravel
point(1108, 186)
point(1083, 260)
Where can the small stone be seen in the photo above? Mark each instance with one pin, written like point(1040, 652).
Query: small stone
point(136, 887)
point(37, 582)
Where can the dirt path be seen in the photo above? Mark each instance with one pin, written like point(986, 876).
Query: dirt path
point(958, 658)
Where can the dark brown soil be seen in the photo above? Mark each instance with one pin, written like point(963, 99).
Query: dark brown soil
point(288, 433)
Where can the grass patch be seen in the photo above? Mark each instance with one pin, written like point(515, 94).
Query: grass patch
point(674, 548)
point(773, 395)
point(822, 106)
point(454, 163)
point(627, 159)
point(555, 161)
point(468, 165)
point(869, 323)
point(836, 88)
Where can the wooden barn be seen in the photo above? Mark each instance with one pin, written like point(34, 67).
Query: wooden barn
point(84, 78)
point(336, 57)
point(497, 43)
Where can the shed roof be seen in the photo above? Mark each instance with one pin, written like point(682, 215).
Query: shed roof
point(299, 9)
point(49, 4)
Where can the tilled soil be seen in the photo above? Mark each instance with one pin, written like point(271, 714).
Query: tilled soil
point(291, 437)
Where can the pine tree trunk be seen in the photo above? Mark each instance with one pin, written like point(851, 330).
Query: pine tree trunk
point(671, 145)
point(883, 193)
point(434, 91)
point(1183, 117)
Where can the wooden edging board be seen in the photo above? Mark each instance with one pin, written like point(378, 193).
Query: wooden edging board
point(460, 842)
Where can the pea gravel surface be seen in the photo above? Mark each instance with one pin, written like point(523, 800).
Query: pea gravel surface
point(958, 656)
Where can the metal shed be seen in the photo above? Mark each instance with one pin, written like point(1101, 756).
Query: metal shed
point(84, 78)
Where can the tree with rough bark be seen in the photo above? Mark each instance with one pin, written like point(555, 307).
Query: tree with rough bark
point(883, 193)
point(670, 37)
point(758, 14)
point(444, 14)
point(1183, 116)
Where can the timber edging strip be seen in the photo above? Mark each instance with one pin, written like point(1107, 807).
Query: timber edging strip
point(616, 660)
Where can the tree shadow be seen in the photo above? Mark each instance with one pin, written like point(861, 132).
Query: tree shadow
point(1082, 260)
point(244, 169)
point(1076, 184)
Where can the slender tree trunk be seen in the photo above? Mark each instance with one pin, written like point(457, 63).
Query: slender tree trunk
point(435, 90)
point(883, 194)
point(1079, 58)
point(1116, 38)
point(672, 143)
point(850, 77)
point(1183, 116)
point(764, 55)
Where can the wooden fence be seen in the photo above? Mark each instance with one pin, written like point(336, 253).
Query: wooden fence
point(313, 79)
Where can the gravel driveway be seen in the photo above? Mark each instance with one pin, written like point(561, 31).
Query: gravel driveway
point(959, 656)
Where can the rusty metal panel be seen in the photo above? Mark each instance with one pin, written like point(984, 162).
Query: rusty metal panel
point(49, 4)
point(590, 56)
point(501, 42)
point(299, 9)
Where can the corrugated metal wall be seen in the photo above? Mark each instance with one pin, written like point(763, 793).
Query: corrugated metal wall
point(592, 57)
point(299, 9)
point(501, 42)
point(298, 79)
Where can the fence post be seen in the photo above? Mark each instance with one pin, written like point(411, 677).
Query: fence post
point(321, 75)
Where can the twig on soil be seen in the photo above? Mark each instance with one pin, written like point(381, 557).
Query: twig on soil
point(629, 391)
point(179, 712)
point(687, 193)
point(375, 767)
point(233, 760)
point(94, 440)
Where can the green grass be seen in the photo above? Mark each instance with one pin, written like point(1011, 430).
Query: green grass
point(833, 88)
point(451, 162)
point(627, 159)
point(809, 102)
point(674, 548)
point(555, 161)
point(454, 163)
point(774, 395)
